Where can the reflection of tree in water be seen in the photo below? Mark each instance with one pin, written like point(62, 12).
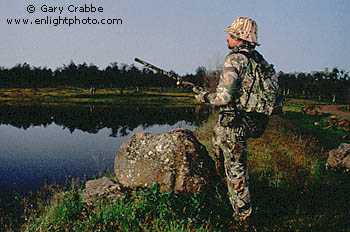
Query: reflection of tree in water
point(91, 119)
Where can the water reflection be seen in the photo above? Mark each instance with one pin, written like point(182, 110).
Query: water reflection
point(91, 119)
point(51, 144)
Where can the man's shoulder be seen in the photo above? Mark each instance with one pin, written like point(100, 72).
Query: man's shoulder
point(244, 55)
point(235, 58)
point(249, 53)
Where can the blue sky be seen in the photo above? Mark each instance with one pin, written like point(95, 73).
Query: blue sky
point(180, 35)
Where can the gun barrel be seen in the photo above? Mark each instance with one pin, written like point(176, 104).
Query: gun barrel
point(155, 68)
point(173, 76)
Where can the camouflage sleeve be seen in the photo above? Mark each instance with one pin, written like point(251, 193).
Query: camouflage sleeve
point(229, 77)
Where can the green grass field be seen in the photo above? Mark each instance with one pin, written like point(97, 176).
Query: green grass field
point(74, 96)
point(290, 187)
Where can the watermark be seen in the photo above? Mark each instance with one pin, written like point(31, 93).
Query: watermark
point(64, 15)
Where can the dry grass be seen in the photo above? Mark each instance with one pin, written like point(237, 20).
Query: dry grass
point(73, 96)
point(280, 153)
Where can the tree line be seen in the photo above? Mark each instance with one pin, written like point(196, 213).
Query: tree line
point(328, 85)
point(116, 75)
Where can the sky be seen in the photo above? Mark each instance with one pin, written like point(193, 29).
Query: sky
point(178, 35)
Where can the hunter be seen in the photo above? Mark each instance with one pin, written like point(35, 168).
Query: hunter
point(244, 110)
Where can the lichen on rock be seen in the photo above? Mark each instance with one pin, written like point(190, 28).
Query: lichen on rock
point(103, 188)
point(339, 157)
point(175, 160)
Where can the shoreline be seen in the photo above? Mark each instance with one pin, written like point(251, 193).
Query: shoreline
point(103, 97)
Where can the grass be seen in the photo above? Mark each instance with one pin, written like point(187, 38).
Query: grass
point(314, 126)
point(73, 96)
point(144, 210)
point(291, 190)
point(345, 109)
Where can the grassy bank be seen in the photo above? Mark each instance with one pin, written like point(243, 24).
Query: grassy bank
point(290, 187)
point(73, 96)
point(345, 109)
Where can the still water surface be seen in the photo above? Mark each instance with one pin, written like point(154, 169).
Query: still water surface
point(41, 145)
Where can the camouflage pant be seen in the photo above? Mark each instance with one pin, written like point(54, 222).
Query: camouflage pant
point(230, 135)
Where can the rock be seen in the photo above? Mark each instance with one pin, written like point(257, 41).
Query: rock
point(176, 160)
point(346, 162)
point(103, 188)
point(311, 110)
point(339, 157)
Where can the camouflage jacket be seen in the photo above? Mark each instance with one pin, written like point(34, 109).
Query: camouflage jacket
point(228, 90)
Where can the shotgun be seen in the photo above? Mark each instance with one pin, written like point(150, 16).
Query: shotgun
point(179, 80)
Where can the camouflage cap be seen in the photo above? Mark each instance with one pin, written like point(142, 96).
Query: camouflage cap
point(245, 29)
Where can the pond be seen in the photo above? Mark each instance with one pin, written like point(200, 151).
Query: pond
point(53, 144)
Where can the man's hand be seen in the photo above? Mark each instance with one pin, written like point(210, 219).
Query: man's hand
point(196, 90)
point(201, 96)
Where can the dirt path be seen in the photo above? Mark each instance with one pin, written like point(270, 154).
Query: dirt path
point(334, 109)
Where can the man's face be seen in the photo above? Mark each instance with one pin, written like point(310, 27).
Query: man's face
point(232, 43)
